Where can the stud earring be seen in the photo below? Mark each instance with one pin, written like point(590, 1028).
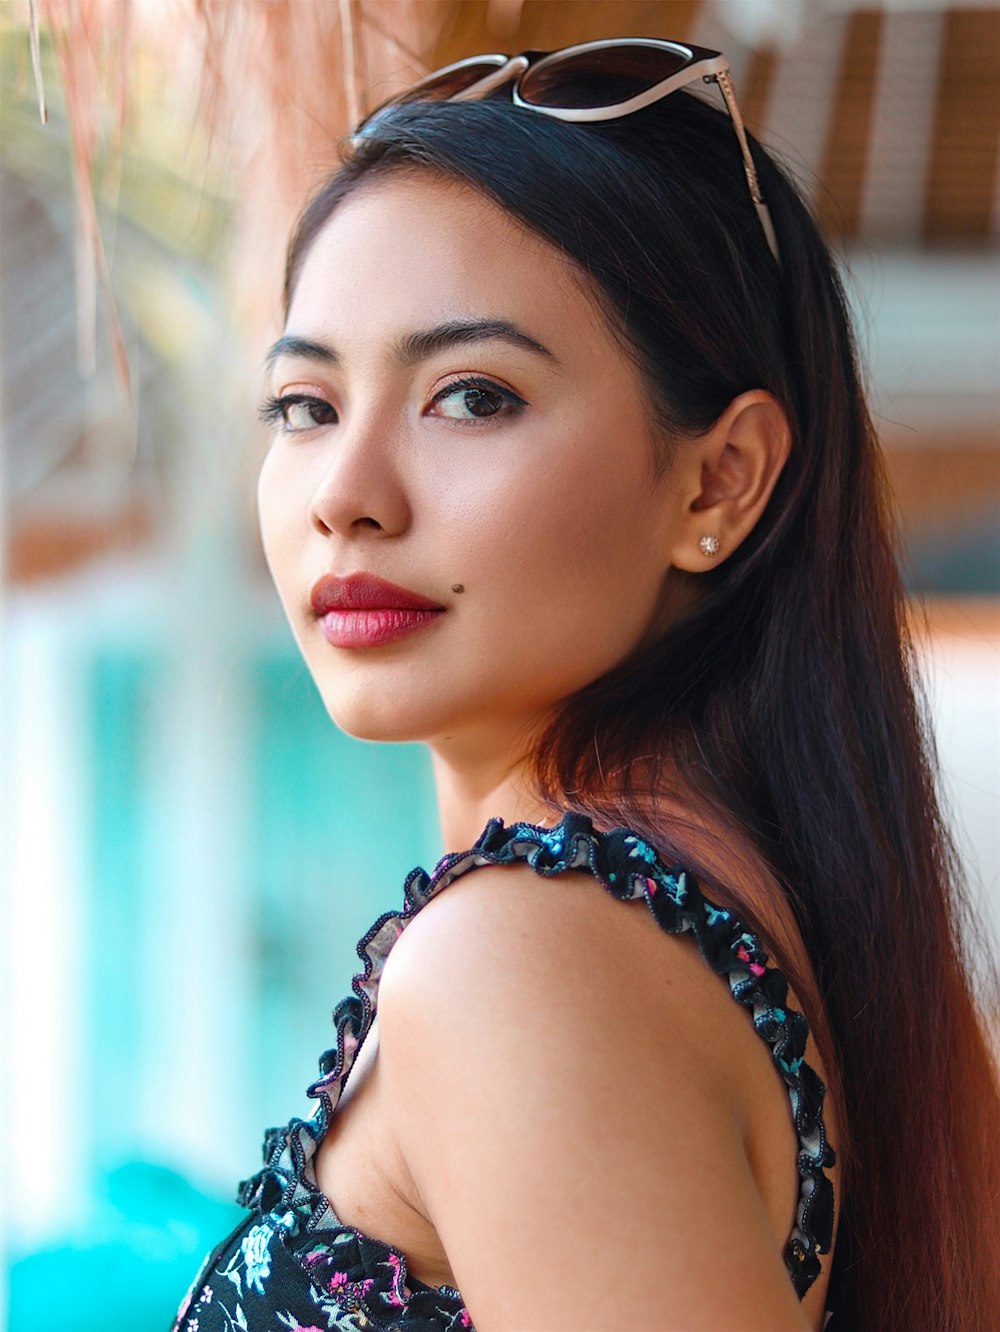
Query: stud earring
point(709, 545)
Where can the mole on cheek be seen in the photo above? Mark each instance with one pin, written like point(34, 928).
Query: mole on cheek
point(458, 587)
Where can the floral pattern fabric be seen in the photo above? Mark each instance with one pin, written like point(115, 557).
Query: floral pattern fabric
point(291, 1264)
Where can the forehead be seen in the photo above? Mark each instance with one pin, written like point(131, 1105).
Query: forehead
point(414, 247)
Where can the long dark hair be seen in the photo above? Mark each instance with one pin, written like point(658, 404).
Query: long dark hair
point(785, 703)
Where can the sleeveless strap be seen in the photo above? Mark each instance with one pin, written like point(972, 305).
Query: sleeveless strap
point(630, 869)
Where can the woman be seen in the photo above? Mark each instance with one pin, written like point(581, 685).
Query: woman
point(571, 477)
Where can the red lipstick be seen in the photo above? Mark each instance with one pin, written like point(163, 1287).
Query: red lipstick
point(363, 610)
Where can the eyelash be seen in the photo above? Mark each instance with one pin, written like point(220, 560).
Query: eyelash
point(273, 411)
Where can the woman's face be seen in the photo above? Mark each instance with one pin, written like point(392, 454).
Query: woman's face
point(459, 422)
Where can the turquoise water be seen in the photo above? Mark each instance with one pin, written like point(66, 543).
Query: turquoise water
point(202, 1022)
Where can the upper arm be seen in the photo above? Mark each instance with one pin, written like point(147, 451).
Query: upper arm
point(578, 1149)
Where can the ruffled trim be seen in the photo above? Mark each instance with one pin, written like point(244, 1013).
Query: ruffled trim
point(630, 869)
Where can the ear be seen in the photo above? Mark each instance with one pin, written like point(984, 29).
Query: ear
point(726, 477)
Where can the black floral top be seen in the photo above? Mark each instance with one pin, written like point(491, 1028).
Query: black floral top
point(291, 1264)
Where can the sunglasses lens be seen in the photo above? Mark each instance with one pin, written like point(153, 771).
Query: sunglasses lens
point(438, 87)
point(599, 77)
point(447, 82)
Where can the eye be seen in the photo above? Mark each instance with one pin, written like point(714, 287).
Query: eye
point(474, 399)
point(295, 413)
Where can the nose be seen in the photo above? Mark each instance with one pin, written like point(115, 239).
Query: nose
point(361, 488)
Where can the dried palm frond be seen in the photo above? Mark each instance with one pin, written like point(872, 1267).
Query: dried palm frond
point(36, 61)
point(283, 83)
point(90, 53)
point(276, 83)
point(273, 85)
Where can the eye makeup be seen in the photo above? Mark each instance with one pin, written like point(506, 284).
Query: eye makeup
point(478, 393)
point(485, 400)
point(296, 412)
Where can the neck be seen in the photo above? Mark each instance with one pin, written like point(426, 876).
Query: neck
point(469, 794)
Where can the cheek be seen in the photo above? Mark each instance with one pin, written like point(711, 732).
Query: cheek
point(283, 518)
point(589, 522)
point(571, 569)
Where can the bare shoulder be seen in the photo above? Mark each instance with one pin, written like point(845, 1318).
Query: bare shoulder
point(562, 1071)
point(506, 928)
point(505, 945)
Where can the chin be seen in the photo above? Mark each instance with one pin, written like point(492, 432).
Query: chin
point(375, 713)
point(381, 729)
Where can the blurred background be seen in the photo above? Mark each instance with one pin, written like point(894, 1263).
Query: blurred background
point(189, 850)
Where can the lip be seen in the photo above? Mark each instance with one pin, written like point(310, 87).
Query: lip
point(363, 610)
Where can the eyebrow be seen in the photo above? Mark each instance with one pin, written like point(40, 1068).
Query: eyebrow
point(418, 346)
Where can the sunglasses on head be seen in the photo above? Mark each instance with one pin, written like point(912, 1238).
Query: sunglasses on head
point(578, 83)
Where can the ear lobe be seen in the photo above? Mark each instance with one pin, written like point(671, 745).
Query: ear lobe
point(739, 461)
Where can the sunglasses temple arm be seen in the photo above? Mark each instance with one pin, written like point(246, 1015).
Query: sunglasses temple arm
point(725, 82)
point(764, 213)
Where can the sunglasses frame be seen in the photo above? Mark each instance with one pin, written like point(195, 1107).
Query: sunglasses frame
point(702, 64)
